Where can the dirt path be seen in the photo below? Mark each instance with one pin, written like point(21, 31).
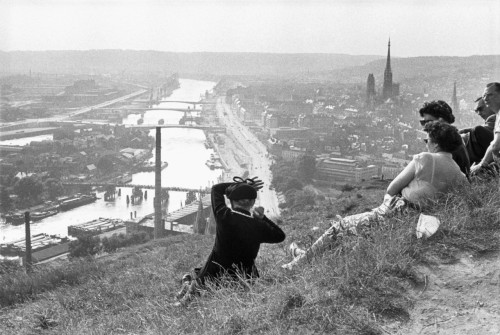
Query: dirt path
point(460, 298)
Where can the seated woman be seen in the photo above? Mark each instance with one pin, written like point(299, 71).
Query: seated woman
point(428, 175)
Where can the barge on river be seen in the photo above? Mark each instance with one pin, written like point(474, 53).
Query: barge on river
point(18, 218)
point(95, 227)
point(67, 203)
point(43, 246)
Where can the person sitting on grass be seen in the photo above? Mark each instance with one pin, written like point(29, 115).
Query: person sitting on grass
point(491, 159)
point(439, 110)
point(239, 232)
point(477, 139)
point(428, 175)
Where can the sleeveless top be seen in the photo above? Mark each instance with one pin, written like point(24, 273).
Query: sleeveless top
point(434, 173)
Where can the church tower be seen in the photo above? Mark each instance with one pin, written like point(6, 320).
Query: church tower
point(454, 100)
point(387, 88)
point(370, 88)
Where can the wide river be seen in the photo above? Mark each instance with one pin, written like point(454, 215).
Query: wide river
point(183, 149)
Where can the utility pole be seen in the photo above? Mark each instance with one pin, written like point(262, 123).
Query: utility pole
point(158, 231)
point(27, 260)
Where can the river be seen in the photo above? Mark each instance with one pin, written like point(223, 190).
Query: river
point(183, 149)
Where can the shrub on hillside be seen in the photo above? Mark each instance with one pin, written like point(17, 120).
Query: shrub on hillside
point(347, 188)
point(114, 242)
point(84, 246)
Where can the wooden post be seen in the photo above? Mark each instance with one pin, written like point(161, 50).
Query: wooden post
point(28, 260)
point(158, 231)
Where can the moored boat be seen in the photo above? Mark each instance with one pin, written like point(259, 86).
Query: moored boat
point(43, 246)
point(40, 215)
point(76, 201)
point(14, 218)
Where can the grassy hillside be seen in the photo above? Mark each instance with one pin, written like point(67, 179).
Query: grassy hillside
point(367, 284)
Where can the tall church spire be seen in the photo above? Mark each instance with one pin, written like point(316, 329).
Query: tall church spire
point(387, 88)
point(388, 64)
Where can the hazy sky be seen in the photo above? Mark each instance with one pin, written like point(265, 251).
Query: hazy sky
point(416, 28)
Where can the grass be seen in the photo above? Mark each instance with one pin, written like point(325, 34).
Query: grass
point(365, 285)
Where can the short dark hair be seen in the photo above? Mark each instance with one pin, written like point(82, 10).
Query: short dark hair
point(438, 109)
point(495, 84)
point(443, 134)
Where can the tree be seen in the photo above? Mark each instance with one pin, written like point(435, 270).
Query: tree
point(293, 184)
point(303, 198)
point(53, 187)
point(5, 200)
point(306, 168)
point(105, 164)
point(85, 246)
point(190, 197)
point(28, 188)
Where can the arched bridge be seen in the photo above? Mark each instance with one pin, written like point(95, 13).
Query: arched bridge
point(142, 109)
point(214, 129)
point(170, 188)
point(191, 102)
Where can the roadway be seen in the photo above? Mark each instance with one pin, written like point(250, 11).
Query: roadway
point(259, 165)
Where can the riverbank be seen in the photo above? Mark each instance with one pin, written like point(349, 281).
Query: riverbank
point(242, 152)
point(183, 149)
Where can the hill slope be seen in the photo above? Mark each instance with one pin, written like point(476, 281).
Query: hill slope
point(214, 63)
point(424, 67)
point(383, 281)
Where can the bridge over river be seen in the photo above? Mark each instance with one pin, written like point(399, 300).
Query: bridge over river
point(201, 102)
point(208, 128)
point(169, 188)
point(143, 109)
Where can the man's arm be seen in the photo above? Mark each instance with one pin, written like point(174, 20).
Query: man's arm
point(495, 144)
point(489, 123)
point(217, 196)
point(271, 233)
point(488, 156)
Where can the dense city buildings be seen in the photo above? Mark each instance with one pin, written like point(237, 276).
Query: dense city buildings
point(370, 124)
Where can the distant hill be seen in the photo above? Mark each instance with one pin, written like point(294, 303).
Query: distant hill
point(214, 63)
point(407, 68)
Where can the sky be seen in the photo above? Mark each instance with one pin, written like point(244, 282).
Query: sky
point(355, 27)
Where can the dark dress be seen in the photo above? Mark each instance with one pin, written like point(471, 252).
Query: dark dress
point(461, 157)
point(237, 239)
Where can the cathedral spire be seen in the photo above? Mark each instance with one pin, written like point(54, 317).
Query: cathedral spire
point(388, 64)
point(387, 88)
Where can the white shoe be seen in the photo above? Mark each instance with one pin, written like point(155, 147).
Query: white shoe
point(295, 250)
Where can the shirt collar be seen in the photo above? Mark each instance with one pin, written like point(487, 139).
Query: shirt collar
point(242, 212)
